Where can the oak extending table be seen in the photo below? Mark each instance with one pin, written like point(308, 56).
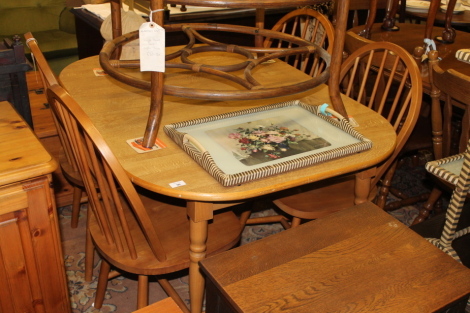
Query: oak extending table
point(120, 112)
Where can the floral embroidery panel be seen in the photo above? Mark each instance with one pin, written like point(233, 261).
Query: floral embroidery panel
point(266, 140)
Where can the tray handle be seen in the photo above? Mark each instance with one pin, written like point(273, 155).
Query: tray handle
point(325, 110)
point(190, 139)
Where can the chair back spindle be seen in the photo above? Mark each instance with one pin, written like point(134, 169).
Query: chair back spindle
point(383, 77)
point(67, 159)
point(311, 26)
point(103, 178)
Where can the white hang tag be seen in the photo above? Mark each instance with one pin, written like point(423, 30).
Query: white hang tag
point(152, 47)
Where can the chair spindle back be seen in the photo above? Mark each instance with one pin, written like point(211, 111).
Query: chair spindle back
point(113, 197)
point(385, 78)
point(310, 25)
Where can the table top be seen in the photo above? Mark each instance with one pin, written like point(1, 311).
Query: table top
point(120, 113)
point(462, 19)
point(22, 155)
point(365, 267)
point(411, 36)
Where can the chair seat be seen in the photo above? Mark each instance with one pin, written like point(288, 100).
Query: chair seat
point(320, 199)
point(172, 225)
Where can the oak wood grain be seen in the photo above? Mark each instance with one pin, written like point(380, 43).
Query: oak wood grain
point(21, 155)
point(360, 259)
point(120, 113)
point(31, 267)
point(166, 305)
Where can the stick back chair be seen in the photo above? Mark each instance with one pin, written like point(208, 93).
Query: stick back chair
point(418, 142)
point(453, 87)
point(311, 26)
point(385, 78)
point(67, 159)
point(142, 233)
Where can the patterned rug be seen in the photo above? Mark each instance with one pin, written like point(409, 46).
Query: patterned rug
point(121, 294)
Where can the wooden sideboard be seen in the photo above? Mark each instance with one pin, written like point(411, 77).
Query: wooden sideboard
point(32, 273)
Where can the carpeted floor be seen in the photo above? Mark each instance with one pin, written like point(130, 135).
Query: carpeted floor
point(121, 293)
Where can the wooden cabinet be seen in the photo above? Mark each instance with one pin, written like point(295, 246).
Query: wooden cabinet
point(357, 260)
point(32, 274)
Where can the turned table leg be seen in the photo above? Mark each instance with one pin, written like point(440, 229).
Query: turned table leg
point(199, 213)
point(362, 186)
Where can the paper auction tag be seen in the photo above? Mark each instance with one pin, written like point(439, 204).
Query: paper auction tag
point(136, 144)
point(152, 47)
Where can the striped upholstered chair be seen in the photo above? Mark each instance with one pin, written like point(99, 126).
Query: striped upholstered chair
point(456, 171)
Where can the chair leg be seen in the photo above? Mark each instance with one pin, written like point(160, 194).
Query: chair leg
point(89, 254)
point(427, 207)
point(404, 200)
point(384, 189)
point(142, 291)
point(76, 202)
point(102, 284)
point(295, 222)
point(171, 292)
point(244, 216)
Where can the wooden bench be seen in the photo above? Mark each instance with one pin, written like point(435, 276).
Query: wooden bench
point(357, 260)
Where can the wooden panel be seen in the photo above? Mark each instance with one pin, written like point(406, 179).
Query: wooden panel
point(32, 273)
point(46, 244)
point(18, 160)
point(15, 280)
point(12, 198)
point(351, 259)
point(166, 305)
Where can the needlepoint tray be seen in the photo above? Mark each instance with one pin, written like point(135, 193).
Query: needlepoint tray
point(250, 144)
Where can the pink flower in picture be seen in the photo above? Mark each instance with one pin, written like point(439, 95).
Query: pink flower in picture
point(271, 140)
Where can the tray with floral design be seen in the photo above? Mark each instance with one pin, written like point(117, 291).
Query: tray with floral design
point(246, 145)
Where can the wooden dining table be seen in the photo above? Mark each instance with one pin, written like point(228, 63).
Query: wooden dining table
point(411, 36)
point(120, 112)
point(460, 19)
